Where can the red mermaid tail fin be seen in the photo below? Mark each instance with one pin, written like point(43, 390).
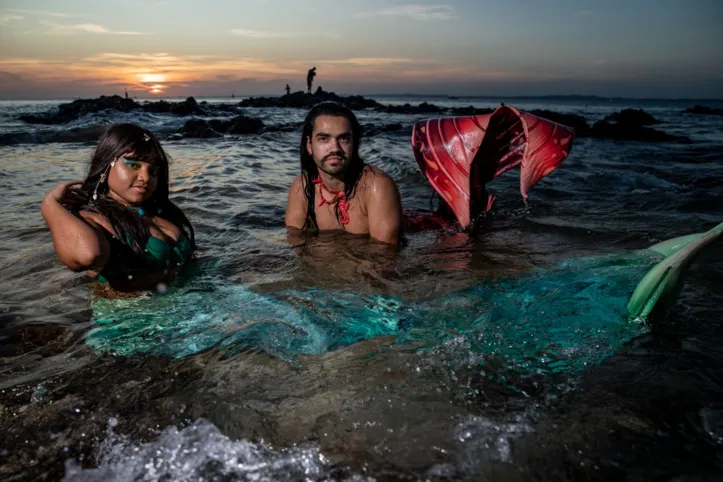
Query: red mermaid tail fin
point(461, 155)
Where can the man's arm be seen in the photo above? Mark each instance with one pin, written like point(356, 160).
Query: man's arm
point(385, 210)
point(296, 209)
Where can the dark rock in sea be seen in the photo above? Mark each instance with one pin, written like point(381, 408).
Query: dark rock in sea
point(631, 132)
point(81, 107)
point(238, 125)
point(703, 110)
point(577, 122)
point(45, 118)
point(78, 134)
point(461, 111)
point(185, 108)
point(297, 99)
point(301, 99)
point(232, 108)
point(629, 125)
point(293, 127)
point(245, 125)
point(357, 102)
point(217, 127)
point(423, 108)
point(632, 117)
point(370, 130)
point(199, 128)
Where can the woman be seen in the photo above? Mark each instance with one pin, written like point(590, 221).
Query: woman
point(119, 225)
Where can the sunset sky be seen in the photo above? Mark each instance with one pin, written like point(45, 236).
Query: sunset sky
point(630, 48)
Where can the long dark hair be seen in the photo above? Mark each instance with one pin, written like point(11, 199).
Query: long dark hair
point(309, 171)
point(129, 226)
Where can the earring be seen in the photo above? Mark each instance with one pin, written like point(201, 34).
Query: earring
point(101, 181)
point(95, 191)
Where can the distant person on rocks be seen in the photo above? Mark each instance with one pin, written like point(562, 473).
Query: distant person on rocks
point(288, 89)
point(336, 190)
point(310, 78)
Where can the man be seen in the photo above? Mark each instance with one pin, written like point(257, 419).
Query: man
point(310, 78)
point(336, 190)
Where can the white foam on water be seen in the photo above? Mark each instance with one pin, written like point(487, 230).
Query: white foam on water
point(200, 452)
point(711, 419)
point(487, 439)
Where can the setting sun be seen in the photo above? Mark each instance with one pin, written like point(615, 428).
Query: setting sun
point(148, 78)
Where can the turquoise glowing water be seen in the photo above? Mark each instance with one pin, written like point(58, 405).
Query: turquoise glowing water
point(558, 319)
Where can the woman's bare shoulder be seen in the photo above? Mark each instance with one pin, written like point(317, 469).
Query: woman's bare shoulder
point(97, 220)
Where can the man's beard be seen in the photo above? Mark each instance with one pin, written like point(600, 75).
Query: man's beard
point(336, 169)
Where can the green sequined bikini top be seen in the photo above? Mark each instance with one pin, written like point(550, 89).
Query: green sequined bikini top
point(158, 255)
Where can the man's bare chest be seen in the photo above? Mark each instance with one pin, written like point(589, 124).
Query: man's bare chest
point(327, 220)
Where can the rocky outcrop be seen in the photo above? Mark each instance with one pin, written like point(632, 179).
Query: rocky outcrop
point(636, 117)
point(78, 108)
point(703, 110)
point(631, 132)
point(370, 130)
point(76, 134)
point(200, 128)
point(81, 107)
point(303, 100)
point(423, 108)
point(627, 124)
point(464, 111)
point(577, 122)
point(630, 125)
point(185, 108)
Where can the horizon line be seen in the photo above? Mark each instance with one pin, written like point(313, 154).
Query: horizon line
point(406, 94)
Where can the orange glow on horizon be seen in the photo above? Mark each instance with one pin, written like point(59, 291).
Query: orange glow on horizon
point(185, 75)
point(151, 78)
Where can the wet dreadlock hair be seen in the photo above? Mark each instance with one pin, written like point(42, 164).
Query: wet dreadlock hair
point(310, 171)
point(118, 140)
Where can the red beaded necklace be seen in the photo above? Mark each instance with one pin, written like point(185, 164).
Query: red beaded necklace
point(337, 197)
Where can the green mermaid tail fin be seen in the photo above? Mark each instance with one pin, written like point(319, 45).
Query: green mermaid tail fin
point(662, 284)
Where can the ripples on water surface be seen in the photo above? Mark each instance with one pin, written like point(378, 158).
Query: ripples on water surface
point(502, 356)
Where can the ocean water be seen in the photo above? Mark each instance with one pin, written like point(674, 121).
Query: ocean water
point(499, 355)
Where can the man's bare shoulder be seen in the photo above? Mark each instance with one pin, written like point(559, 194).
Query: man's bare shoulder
point(298, 182)
point(374, 178)
point(298, 186)
point(379, 189)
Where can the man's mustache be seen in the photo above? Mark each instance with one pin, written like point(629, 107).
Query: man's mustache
point(340, 155)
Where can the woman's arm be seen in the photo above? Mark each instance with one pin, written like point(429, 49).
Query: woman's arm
point(79, 245)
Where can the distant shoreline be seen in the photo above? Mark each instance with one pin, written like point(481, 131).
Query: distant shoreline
point(579, 98)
